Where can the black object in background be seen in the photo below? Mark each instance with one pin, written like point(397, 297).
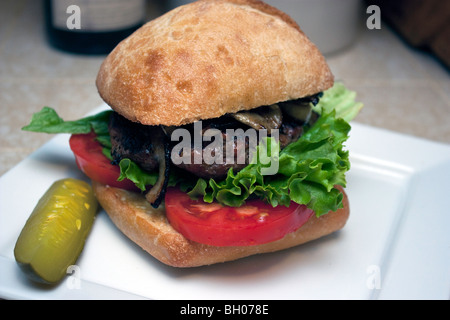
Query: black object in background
point(102, 24)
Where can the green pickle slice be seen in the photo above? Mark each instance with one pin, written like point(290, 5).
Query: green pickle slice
point(56, 231)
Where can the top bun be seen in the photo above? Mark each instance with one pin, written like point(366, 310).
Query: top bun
point(209, 58)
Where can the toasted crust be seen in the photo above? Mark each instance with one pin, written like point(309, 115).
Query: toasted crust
point(149, 228)
point(209, 58)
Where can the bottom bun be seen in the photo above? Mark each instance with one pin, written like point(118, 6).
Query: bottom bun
point(149, 228)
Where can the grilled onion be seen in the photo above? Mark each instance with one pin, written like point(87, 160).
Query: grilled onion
point(299, 110)
point(268, 118)
point(162, 153)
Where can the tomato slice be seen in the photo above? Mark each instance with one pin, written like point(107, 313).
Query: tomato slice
point(94, 164)
point(211, 223)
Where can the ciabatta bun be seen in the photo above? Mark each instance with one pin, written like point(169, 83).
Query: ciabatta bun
point(149, 228)
point(209, 58)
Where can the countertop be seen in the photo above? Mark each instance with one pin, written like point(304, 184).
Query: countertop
point(403, 89)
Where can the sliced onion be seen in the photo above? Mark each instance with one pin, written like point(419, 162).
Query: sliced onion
point(269, 118)
point(162, 153)
point(298, 110)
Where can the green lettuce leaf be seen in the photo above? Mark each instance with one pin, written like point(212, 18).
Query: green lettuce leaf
point(340, 99)
point(141, 178)
point(48, 121)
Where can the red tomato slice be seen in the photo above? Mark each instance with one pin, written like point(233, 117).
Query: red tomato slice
point(254, 223)
point(94, 164)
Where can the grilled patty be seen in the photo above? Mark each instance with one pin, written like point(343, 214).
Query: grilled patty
point(134, 141)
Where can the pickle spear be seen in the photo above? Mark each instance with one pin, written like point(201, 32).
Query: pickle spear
point(55, 233)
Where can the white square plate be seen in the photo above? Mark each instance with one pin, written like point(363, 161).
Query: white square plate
point(396, 244)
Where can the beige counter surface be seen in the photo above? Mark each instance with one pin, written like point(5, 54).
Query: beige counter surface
point(403, 89)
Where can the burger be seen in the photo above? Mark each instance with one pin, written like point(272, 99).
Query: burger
point(225, 139)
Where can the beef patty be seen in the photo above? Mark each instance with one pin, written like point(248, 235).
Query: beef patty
point(134, 141)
